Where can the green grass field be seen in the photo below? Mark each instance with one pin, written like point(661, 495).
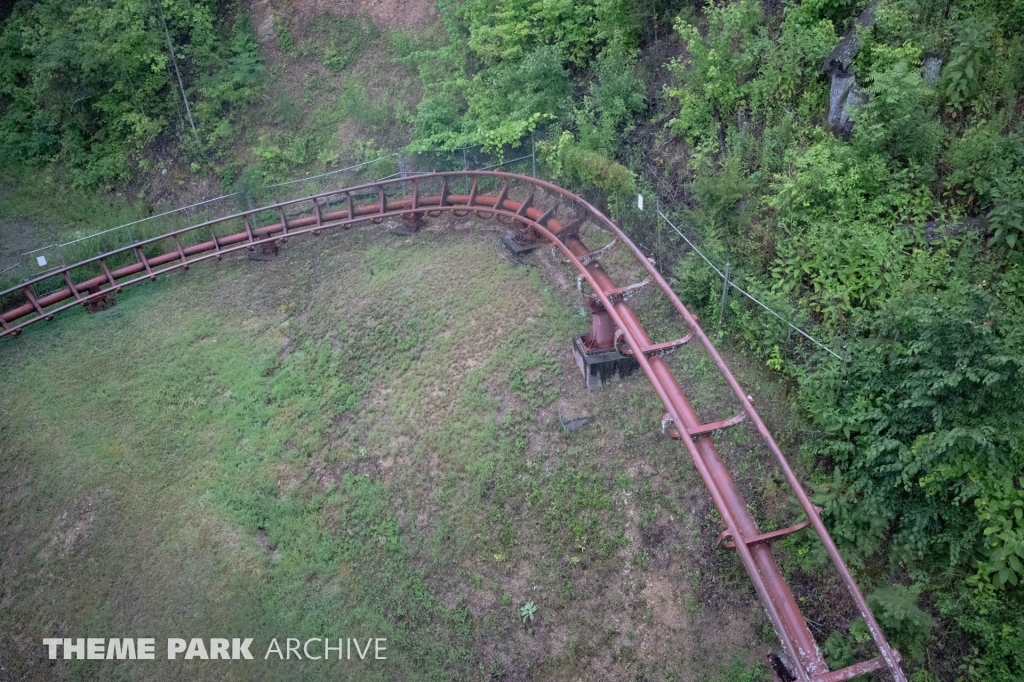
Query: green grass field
point(362, 439)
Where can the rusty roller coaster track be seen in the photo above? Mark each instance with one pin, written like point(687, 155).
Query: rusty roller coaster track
point(540, 211)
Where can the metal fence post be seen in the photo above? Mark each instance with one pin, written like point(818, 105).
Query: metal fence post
point(657, 231)
point(725, 294)
point(533, 153)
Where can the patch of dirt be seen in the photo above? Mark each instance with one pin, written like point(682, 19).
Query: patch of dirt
point(663, 603)
point(325, 474)
point(268, 547)
point(387, 15)
point(73, 526)
point(289, 477)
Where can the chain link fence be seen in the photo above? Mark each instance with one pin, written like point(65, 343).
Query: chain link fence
point(665, 234)
point(667, 240)
point(39, 261)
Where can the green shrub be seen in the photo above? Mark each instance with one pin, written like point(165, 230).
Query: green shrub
point(89, 84)
point(838, 651)
point(337, 41)
point(572, 163)
point(722, 197)
point(1007, 213)
point(503, 72)
point(502, 30)
point(285, 40)
point(711, 76)
point(618, 94)
point(921, 424)
point(962, 74)
point(904, 623)
point(899, 120)
point(978, 159)
point(993, 624)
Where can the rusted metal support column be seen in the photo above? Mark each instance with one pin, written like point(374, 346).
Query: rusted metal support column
point(602, 329)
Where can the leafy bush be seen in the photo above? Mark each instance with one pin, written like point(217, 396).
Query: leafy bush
point(899, 120)
point(502, 30)
point(962, 74)
point(575, 164)
point(790, 64)
point(921, 424)
point(712, 75)
point(722, 197)
point(906, 625)
point(230, 81)
point(978, 159)
point(1007, 214)
point(89, 83)
point(618, 94)
point(1002, 508)
point(285, 40)
point(504, 70)
point(510, 100)
point(841, 269)
point(993, 623)
point(337, 41)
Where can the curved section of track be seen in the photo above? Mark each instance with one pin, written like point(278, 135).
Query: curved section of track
point(545, 211)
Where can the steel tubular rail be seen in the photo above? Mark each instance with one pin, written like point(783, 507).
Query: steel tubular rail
point(803, 657)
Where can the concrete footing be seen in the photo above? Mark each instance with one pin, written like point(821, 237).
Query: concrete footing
point(267, 251)
point(602, 367)
point(515, 247)
point(409, 225)
point(100, 303)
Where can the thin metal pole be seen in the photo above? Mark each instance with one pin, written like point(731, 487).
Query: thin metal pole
point(657, 232)
point(174, 59)
point(533, 153)
point(725, 294)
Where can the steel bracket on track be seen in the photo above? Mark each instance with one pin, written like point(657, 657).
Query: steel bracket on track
point(726, 541)
point(623, 294)
point(596, 255)
point(650, 350)
point(669, 428)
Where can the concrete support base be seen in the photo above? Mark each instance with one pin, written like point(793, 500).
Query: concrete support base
point(409, 225)
point(101, 303)
point(515, 247)
point(266, 251)
point(602, 367)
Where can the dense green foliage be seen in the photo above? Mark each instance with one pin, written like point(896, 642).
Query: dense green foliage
point(507, 69)
point(922, 444)
point(91, 84)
